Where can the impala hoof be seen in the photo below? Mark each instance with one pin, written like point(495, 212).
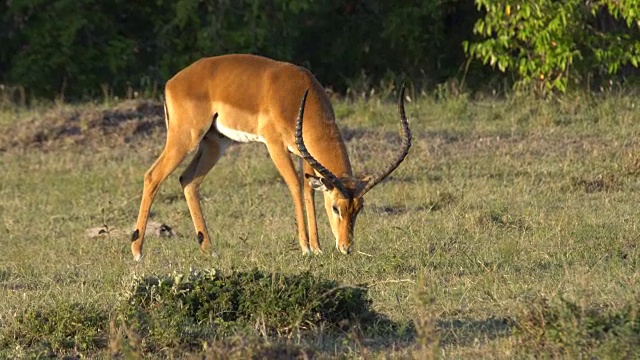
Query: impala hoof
point(137, 257)
point(316, 251)
point(345, 250)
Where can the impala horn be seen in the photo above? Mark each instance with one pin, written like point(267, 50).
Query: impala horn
point(328, 175)
point(406, 144)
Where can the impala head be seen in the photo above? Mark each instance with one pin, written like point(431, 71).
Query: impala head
point(343, 196)
point(342, 207)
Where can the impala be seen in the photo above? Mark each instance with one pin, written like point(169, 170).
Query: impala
point(244, 98)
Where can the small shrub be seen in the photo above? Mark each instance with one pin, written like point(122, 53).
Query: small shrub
point(187, 309)
point(563, 327)
point(58, 329)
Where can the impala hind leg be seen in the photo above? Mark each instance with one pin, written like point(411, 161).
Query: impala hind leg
point(310, 206)
point(281, 158)
point(211, 148)
point(169, 159)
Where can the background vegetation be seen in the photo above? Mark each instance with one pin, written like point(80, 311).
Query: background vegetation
point(509, 232)
point(90, 48)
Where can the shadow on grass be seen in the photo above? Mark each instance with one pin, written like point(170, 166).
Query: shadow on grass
point(405, 338)
point(464, 332)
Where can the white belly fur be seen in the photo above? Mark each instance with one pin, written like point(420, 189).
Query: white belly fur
point(237, 135)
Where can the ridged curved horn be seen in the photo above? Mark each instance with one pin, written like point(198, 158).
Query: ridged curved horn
point(406, 144)
point(328, 175)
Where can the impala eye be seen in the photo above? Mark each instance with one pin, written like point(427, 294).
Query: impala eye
point(336, 210)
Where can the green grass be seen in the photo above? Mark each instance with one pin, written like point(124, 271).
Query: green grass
point(509, 231)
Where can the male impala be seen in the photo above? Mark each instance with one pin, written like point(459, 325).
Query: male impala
point(245, 98)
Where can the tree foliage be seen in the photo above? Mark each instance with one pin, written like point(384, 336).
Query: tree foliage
point(545, 44)
point(87, 48)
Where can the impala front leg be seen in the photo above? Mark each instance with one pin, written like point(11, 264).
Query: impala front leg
point(281, 158)
point(310, 206)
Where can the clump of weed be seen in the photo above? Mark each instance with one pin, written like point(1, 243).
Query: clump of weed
point(427, 337)
point(4, 275)
point(441, 200)
point(597, 184)
point(565, 328)
point(56, 330)
point(630, 162)
point(501, 216)
point(187, 309)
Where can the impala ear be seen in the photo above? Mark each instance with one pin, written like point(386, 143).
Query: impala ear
point(318, 183)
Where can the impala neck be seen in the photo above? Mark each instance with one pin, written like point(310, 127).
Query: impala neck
point(333, 155)
point(324, 140)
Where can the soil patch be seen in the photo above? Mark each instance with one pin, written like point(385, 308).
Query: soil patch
point(86, 125)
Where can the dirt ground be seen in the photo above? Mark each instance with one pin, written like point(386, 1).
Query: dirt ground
point(97, 125)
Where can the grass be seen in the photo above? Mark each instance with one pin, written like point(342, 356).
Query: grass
point(509, 231)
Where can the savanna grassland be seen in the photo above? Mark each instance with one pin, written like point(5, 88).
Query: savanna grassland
point(510, 231)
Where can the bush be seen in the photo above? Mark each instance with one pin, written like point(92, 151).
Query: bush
point(565, 328)
point(181, 312)
point(188, 309)
point(58, 329)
